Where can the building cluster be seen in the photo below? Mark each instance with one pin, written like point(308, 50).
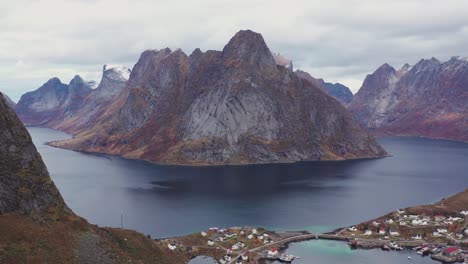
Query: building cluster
point(416, 225)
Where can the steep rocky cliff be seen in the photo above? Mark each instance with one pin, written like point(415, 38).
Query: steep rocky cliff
point(36, 226)
point(429, 99)
point(336, 90)
point(234, 106)
point(9, 101)
point(94, 105)
point(25, 185)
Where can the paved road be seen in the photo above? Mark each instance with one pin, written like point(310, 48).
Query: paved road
point(286, 240)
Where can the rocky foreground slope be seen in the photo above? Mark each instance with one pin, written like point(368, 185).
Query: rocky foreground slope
point(9, 101)
point(234, 106)
point(36, 226)
point(429, 99)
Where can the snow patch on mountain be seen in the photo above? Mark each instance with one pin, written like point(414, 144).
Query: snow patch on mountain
point(117, 72)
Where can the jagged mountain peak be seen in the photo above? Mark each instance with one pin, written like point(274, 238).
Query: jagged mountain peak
point(385, 68)
point(116, 72)
point(283, 61)
point(248, 47)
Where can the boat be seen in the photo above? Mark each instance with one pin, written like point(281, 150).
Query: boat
point(287, 258)
point(385, 247)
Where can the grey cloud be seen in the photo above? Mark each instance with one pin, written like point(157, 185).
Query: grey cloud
point(336, 40)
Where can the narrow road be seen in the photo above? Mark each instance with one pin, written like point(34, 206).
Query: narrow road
point(283, 241)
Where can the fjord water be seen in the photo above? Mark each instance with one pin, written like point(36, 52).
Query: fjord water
point(168, 201)
point(174, 200)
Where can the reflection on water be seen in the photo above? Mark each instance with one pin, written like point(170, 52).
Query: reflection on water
point(173, 200)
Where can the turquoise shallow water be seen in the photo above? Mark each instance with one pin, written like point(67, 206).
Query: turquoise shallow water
point(331, 252)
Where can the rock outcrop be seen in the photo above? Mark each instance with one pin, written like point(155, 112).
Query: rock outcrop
point(25, 185)
point(336, 90)
point(429, 99)
point(9, 101)
point(234, 106)
point(37, 226)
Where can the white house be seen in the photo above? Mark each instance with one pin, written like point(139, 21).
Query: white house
point(464, 212)
point(394, 233)
point(439, 218)
point(235, 247)
point(228, 251)
point(382, 231)
point(273, 252)
point(210, 242)
point(435, 234)
point(389, 221)
point(368, 232)
point(375, 223)
point(245, 257)
point(402, 223)
point(352, 229)
point(413, 216)
point(442, 230)
point(250, 236)
point(203, 233)
point(401, 211)
point(260, 237)
point(416, 222)
point(417, 237)
point(254, 231)
point(172, 246)
point(242, 232)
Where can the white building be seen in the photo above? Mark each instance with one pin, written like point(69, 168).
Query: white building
point(204, 234)
point(250, 236)
point(442, 230)
point(273, 252)
point(172, 246)
point(352, 229)
point(368, 233)
point(394, 233)
point(210, 242)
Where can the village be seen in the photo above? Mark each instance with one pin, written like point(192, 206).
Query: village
point(238, 244)
point(443, 236)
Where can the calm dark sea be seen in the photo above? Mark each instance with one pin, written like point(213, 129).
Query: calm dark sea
point(318, 196)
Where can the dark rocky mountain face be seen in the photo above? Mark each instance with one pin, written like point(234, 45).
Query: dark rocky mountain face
point(25, 185)
point(9, 101)
point(429, 99)
point(91, 107)
point(52, 102)
point(336, 90)
point(233, 106)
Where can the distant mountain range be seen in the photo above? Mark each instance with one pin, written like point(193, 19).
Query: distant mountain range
point(429, 99)
point(337, 90)
point(234, 106)
point(56, 104)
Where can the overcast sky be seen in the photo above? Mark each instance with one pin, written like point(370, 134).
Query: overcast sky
point(340, 41)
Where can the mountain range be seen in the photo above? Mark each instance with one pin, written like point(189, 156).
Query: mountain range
point(337, 90)
point(234, 106)
point(429, 99)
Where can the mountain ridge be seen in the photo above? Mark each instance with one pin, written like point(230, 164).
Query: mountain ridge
point(214, 107)
point(429, 99)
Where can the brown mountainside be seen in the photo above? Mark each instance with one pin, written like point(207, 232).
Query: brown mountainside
point(234, 106)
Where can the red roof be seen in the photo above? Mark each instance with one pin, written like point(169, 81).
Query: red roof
point(274, 249)
point(451, 250)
